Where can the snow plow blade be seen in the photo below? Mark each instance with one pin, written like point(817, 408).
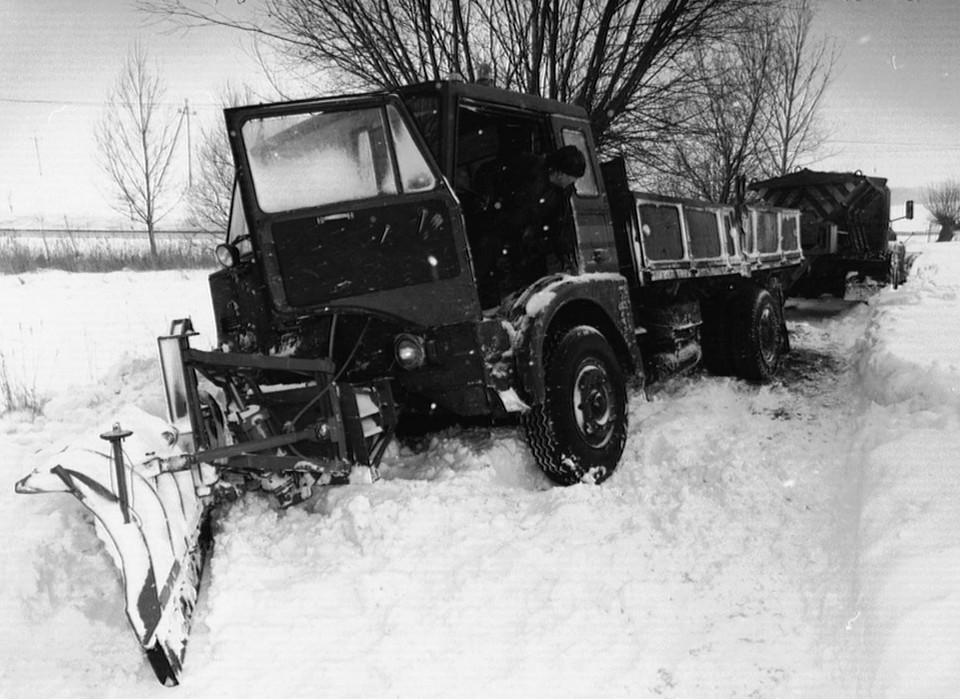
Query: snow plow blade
point(152, 484)
point(154, 525)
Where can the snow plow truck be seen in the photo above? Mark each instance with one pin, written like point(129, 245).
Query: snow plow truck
point(347, 302)
point(844, 231)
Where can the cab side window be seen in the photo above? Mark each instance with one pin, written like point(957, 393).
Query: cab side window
point(489, 139)
point(586, 185)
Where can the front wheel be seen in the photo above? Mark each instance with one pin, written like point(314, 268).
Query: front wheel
point(578, 433)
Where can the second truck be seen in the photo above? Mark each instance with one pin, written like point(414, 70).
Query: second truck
point(844, 229)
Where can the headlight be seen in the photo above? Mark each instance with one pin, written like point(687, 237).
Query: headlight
point(409, 351)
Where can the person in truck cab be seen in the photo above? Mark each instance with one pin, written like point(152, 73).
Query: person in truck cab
point(527, 217)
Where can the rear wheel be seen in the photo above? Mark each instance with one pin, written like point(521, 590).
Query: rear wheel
point(577, 434)
point(759, 336)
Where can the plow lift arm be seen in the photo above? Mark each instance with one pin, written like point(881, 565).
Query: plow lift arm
point(154, 487)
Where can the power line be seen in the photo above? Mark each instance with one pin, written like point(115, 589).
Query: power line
point(14, 100)
point(893, 143)
point(90, 103)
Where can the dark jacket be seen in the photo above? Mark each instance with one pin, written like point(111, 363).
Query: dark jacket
point(524, 219)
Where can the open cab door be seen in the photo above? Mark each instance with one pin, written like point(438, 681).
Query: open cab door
point(345, 201)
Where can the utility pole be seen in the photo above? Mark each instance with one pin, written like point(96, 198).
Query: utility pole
point(36, 145)
point(186, 112)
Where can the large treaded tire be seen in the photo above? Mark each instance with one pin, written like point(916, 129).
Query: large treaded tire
point(758, 336)
point(578, 433)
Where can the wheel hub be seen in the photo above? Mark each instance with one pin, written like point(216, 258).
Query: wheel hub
point(769, 336)
point(592, 401)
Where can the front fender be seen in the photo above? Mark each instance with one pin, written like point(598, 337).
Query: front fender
point(600, 300)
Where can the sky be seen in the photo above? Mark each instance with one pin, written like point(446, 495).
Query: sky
point(893, 108)
point(894, 105)
point(59, 59)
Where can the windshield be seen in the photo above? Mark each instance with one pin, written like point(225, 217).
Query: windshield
point(313, 159)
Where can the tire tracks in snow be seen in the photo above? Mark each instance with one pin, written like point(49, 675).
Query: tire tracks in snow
point(755, 488)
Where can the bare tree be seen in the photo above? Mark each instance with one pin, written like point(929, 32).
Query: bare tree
point(209, 197)
point(617, 58)
point(801, 71)
point(136, 141)
point(751, 106)
point(724, 112)
point(942, 200)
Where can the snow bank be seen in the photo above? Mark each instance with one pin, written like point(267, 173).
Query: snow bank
point(699, 569)
point(908, 451)
point(714, 562)
point(87, 344)
point(59, 329)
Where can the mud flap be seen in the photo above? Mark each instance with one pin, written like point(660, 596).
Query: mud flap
point(158, 533)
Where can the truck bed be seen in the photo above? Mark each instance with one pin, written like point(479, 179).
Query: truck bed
point(669, 238)
point(677, 238)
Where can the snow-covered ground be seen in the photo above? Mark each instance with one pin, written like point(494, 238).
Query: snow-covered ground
point(795, 539)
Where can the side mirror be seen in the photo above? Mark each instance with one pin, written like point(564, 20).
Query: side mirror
point(909, 210)
point(227, 255)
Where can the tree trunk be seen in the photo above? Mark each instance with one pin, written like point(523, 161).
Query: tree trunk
point(946, 233)
point(153, 240)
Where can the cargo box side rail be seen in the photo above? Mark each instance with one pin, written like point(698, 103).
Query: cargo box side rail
point(682, 239)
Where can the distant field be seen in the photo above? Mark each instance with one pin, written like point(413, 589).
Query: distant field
point(25, 250)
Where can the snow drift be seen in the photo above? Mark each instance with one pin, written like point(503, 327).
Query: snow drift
point(908, 453)
point(798, 538)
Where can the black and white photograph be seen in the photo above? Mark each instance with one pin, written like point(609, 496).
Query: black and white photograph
point(479, 348)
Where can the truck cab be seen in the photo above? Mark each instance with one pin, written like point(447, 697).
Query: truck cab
point(353, 236)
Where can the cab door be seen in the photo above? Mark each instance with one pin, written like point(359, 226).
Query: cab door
point(348, 209)
point(591, 209)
